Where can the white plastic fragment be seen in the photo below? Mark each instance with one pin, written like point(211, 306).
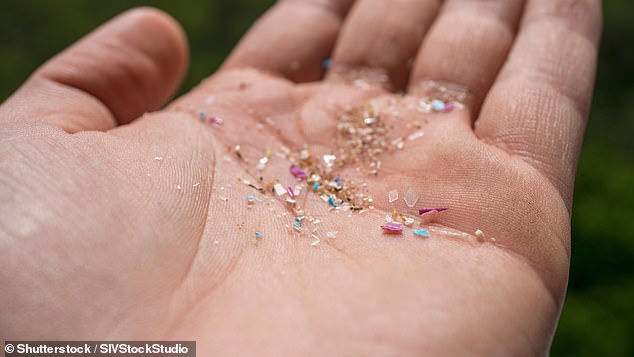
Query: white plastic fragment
point(410, 197)
point(392, 196)
point(480, 235)
point(415, 135)
point(279, 189)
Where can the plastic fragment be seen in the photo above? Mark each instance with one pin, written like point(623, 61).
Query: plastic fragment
point(392, 196)
point(410, 197)
point(437, 105)
point(480, 235)
point(290, 191)
point(331, 234)
point(298, 225)
point(258, 234)
point(298, 172)
point(315, 186)
point(329, 160)
point(279, 189)
point(325, 63)
point(331, 201)
point(250, 199)
point(408, 221)
point(421, 232)
point(215, 120)
point(415, 135)
point(262, 163)
point(422, 211)
point(392, 227)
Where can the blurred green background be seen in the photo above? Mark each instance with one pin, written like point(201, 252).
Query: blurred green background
point(598, 317)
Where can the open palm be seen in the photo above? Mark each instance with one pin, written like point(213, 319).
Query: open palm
point(118, 225)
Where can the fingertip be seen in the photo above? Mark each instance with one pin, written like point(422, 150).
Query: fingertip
point(172, 52)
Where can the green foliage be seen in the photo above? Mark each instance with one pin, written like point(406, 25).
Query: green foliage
point(598, 317)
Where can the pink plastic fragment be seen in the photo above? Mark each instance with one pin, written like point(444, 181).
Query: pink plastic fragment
point(448, 107)
point(392, 227)
point(215, 120)
point(422, 211)
point(290, 191)
point(298, 172)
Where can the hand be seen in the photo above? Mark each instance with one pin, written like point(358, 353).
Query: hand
point(122, 225)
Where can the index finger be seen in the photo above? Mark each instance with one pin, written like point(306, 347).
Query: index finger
point(537, 108)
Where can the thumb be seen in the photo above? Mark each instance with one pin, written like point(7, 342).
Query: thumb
point(128, 66)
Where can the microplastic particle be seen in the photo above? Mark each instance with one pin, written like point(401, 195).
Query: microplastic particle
point(392, 196)
point(315, 186)
point(250, 199)
point(262, 163)
point(316, 241)
point(423, 211)
point(331, 234)
point(179, 187)
point(480, 235)
point(420, 232)
point(331, 201)
point(298, 225)
point(369, 121)
point(437, 105)
point(158, 158)
point(202, 115)
point(408, 221)
point(290, 191)
point(258, 234)
point(215, 120)
point(279, 189)
point(298, 172)
point(325, 63)
point(415, 135)
point(410, 197)
point(392, 227)
point(448, 107)
point(330, 160)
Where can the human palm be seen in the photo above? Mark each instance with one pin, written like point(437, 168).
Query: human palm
point(143, 230)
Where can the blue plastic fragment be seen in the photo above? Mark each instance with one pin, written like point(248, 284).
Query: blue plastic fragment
point(258, 234)
point(315, 186)
point(437, 105)
point(331, 201)
point(421, 232)
point(325, 63)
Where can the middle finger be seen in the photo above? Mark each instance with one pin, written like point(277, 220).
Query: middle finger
point(382, 37)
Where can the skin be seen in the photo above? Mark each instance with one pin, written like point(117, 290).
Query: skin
point(112, 226)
